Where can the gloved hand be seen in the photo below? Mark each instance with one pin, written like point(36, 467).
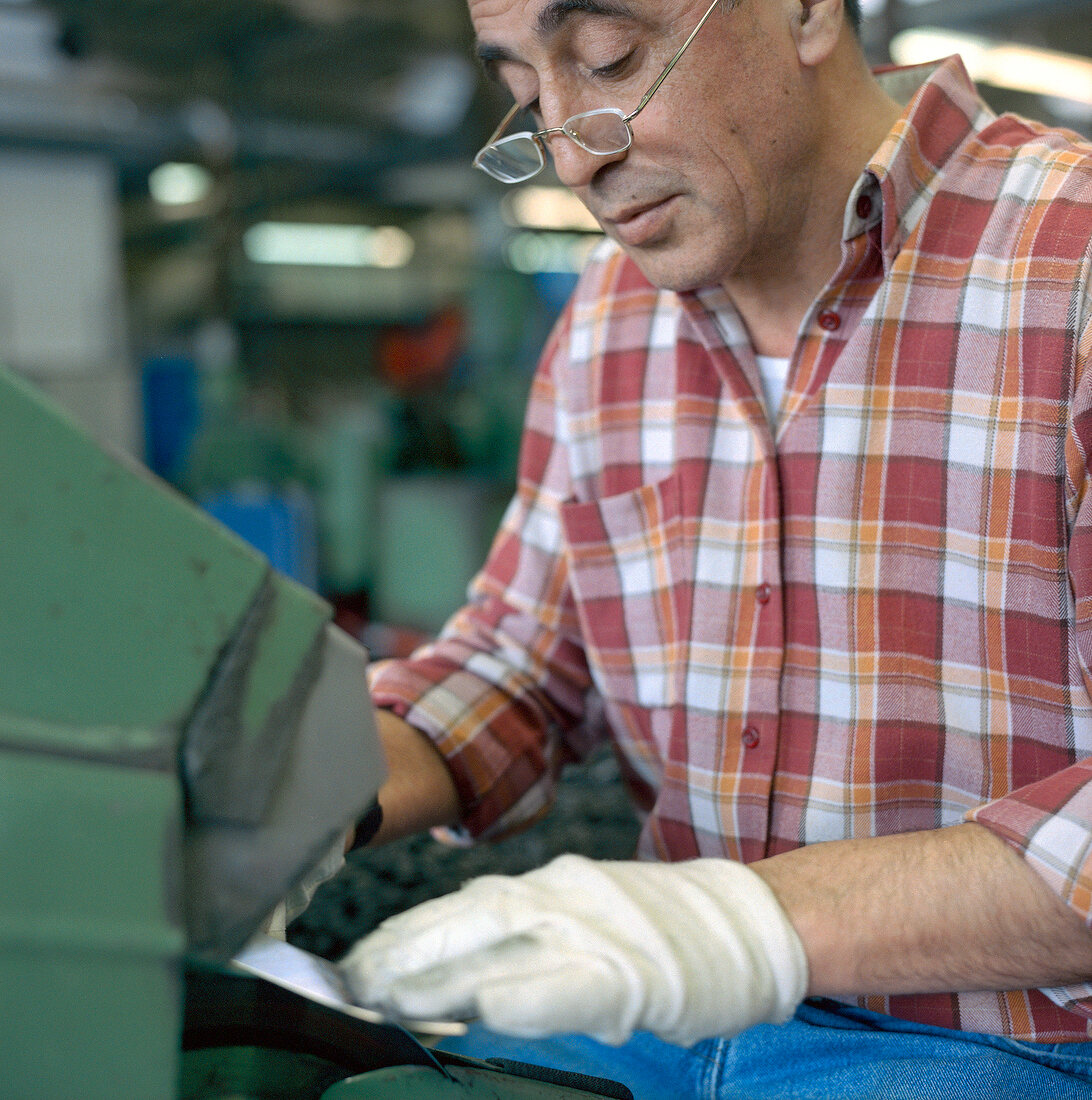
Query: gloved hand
point(684, 950)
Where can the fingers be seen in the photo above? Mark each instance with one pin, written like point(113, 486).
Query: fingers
point(451, 989)
point(434, 935)
point(529, 986)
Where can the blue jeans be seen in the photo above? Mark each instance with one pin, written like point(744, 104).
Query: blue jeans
point(828, 1051)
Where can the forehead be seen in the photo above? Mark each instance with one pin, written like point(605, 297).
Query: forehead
point(500, 24)
point(548, 13)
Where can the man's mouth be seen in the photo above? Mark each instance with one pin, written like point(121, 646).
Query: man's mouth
point(640, 223)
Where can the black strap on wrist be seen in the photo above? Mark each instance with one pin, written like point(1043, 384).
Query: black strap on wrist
point(367, 826)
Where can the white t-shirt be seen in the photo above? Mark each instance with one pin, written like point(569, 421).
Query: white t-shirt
point(775, 373)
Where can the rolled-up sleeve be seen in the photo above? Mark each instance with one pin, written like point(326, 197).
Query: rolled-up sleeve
point(501, 692)
point(1049, 822)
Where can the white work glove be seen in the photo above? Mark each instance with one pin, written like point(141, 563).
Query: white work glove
point(684, 950)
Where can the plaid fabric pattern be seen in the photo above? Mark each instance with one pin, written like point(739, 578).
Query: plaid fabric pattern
point(875, 617)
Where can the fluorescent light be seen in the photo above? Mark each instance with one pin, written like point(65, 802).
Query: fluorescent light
point(310, 244)
point(174, 184)
point(539, 253)
point(1001, 64)
point(537, 207)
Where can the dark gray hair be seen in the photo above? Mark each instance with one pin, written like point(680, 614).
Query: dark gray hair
point(853, 11)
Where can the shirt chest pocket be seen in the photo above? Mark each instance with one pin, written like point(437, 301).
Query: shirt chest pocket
point(627, 558)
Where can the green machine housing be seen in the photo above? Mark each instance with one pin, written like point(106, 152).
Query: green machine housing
point(184, 735)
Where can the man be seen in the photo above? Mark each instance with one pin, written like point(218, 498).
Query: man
point(803, 517)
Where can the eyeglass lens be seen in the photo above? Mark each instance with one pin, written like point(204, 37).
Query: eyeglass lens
point(512, 159)
point(601, 131)
point(520, 156)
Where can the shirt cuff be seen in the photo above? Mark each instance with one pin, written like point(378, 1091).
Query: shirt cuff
point(1049, 823)
point(503, 775)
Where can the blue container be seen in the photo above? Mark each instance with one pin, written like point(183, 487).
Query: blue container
point(278, 523)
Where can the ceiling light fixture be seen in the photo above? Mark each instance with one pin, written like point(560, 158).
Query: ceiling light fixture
point(538, 207)
point(177, 184)
point(1009, 65)
point(549, 252)
point(311, 244)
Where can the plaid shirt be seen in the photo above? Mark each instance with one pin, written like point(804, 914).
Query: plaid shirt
point(875, 617)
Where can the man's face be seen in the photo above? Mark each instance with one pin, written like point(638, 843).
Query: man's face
point(710, 187)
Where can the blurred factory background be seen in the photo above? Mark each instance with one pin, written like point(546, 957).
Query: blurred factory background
point(242, 240)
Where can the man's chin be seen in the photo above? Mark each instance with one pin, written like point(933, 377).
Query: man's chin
point(664, 274)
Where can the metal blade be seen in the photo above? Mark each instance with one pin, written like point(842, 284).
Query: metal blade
point(319, 980)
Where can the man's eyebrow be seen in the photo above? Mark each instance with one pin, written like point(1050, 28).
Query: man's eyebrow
point(491, 56)
point(550, 20)
point(553, 15)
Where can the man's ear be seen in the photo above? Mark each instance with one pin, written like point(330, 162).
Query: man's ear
point(817, 28)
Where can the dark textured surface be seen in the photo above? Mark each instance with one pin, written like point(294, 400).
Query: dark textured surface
point(592, 816)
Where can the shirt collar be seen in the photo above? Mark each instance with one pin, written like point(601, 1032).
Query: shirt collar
point(944, 109)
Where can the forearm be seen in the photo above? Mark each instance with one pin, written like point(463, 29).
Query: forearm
point(941, 910)
point(945, 910)
point(419, 792)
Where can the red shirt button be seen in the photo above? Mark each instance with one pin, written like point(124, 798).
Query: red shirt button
point(830, 320)
point(864, 206)
point(750, 737)
point(763, 593)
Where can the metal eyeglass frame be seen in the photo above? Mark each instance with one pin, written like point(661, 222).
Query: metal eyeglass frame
point(564, 128)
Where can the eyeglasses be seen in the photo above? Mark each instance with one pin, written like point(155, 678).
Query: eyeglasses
point(605, 132)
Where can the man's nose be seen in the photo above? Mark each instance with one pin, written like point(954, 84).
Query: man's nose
point(573, 165)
